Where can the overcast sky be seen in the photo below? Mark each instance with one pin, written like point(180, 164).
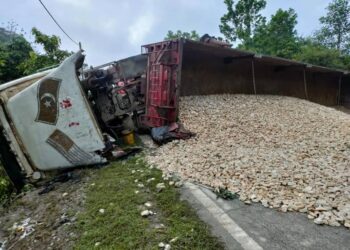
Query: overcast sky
point(115, 29)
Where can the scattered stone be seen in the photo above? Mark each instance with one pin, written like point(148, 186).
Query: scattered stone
point(102, 211)
point(160, 186)
point(334, 189)
point(161, 245)
point(311, 217)
point(171, 183)
point(140, 185)
point(174, 240)
point(178, 184)
point(265, 203)
point(159, 226)
point(97, 244)
point(146, 213)
point(133, 171)
point(253, 146)
point(334, 223)
point(64, 194)
point(167, 247)
point(319, 220)
point(284, 208)
point(151, 179)
point(148, 204)
point(136, 191)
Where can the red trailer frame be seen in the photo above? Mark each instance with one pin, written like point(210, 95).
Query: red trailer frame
point(163, 79)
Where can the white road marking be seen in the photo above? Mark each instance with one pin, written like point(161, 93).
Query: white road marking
point(226, 221)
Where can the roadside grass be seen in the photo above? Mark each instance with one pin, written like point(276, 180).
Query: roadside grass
point(5, 187)
point(121, 226)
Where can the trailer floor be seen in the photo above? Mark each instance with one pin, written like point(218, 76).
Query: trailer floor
point(242, 226)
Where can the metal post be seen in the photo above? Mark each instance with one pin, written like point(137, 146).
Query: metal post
point(339, 89)
point(253, 74)
point(305, 85)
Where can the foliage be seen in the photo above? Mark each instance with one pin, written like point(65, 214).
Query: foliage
point(52, 56)
point(18, 58)
point(317, 54)
point(241, 20)
point(278, 37)
point(330, 47)
point(335, 32)
point(12, 54)
point(193, 35)
point(225, 194)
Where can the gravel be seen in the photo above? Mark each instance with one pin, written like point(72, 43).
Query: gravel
point(286, 153)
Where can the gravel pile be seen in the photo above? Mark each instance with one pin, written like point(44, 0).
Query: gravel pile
point(288, 154)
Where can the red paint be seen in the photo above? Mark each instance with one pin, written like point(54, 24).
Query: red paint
point(72, 124)
point(162, 104)
point(66, 103)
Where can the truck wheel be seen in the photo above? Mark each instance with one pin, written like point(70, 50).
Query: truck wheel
point(10, 164)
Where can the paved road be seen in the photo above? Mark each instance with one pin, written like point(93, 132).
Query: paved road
point(243, 226)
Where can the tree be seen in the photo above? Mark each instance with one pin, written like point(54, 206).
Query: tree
point(335, 32)
point(18, 58)
point(193, 35)
point(314, 53)
point(278, 37)
point(241, 20)
point(53, 54)
point(12, 54)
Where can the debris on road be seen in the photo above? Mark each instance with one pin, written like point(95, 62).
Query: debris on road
point(25, 228)
point(288, 153)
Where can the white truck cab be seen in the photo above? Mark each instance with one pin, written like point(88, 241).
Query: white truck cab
point(47, 123)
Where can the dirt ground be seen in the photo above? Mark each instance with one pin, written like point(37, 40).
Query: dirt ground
point(45, 221)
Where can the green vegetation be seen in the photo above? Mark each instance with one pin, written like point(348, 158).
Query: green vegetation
point(5, 187)
point(226, 194)
point(335, 31)
point(193, 35)
point(18, 56)
point(122, 227)
point(277, 37)
point(52, 56)
point(329, 46)
point(241, 20)
point(12, 53)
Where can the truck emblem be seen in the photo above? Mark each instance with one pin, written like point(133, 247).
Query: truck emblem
point(47, 101)
point(68, 149)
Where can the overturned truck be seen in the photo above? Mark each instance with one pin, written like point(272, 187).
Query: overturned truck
point(64, 117)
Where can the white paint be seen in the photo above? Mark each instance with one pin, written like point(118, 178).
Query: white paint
point(23, 109)
point(226, 221)
point(13, 143)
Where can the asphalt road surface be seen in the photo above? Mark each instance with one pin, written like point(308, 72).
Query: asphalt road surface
point(249, 227)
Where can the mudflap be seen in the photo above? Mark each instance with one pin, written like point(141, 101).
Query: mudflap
point(10, 164)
